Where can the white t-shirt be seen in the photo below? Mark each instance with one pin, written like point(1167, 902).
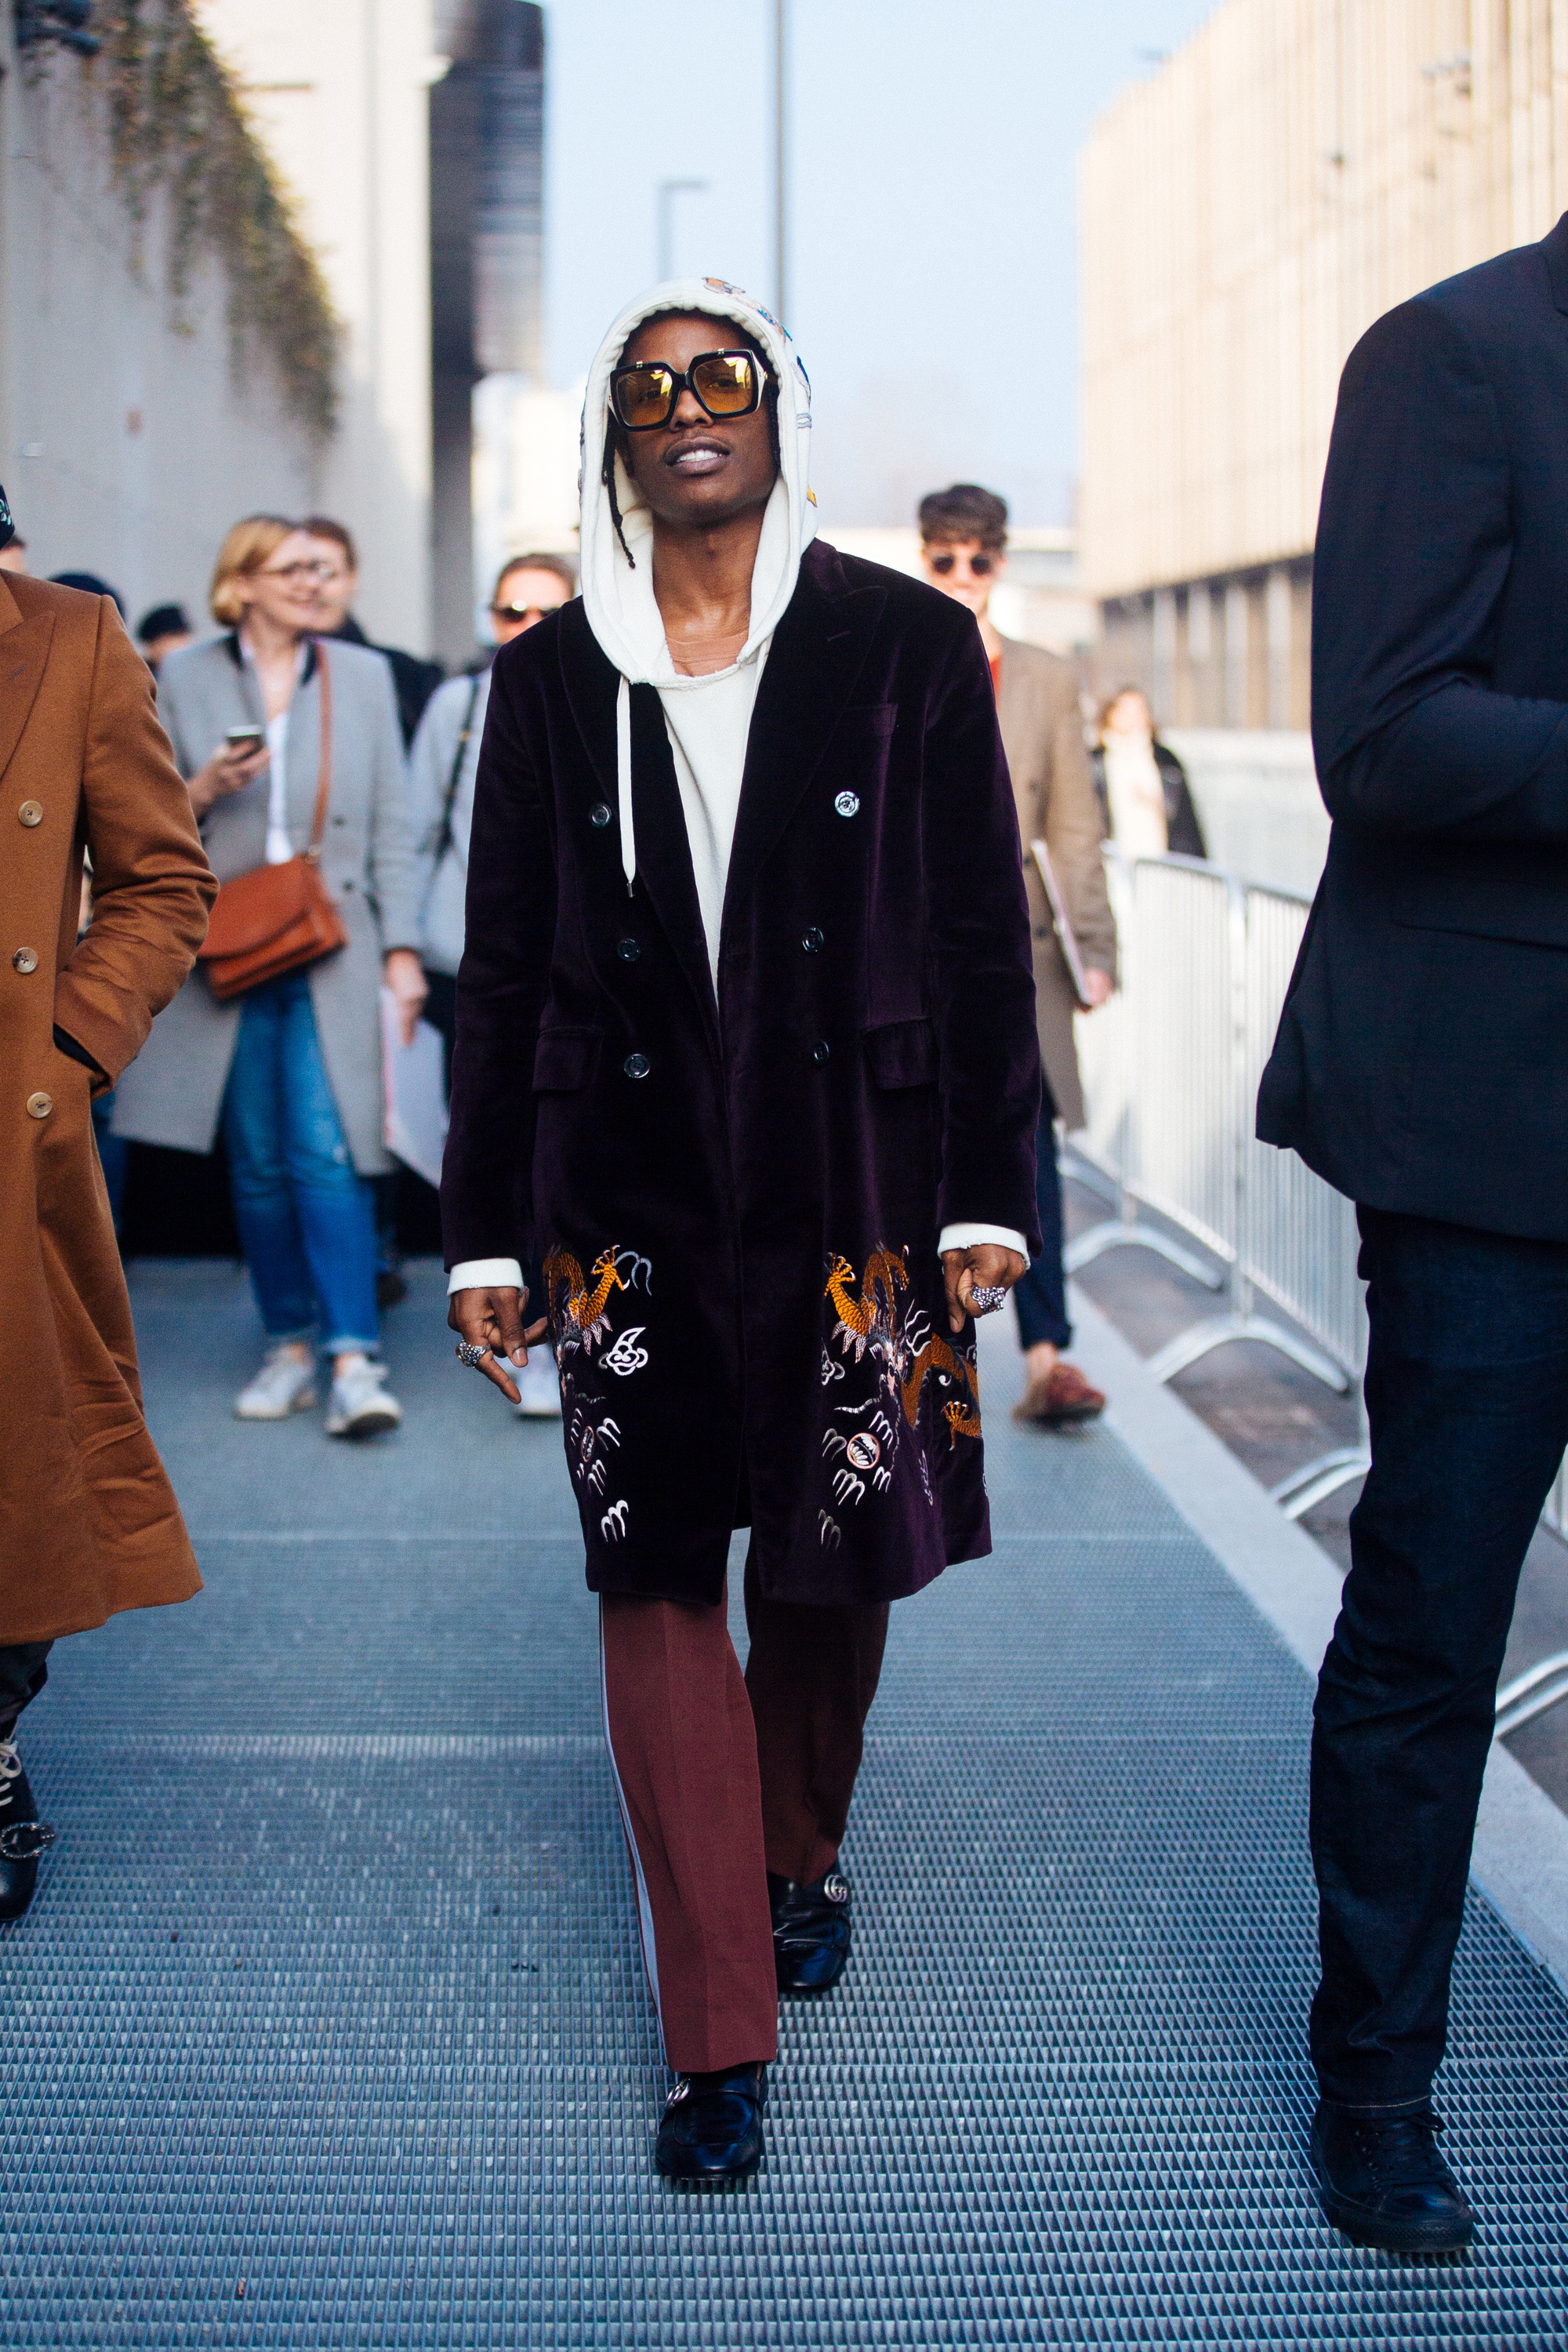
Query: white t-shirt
point(1136, 796)
point(279, 849)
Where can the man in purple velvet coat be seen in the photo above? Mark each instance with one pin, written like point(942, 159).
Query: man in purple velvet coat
point(746, 1041)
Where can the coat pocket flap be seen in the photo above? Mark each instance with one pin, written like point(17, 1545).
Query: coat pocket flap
point(565, 1059)
point(903, 1053)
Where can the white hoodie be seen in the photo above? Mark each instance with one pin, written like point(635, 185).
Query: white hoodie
point(708, 718)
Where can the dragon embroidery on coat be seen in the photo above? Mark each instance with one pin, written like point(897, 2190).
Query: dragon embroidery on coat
point(585, 1308)
point(579, 1313)
point(903, 1353)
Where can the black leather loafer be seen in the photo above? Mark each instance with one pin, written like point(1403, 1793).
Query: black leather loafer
point(1382, 2181)
point(712, 2133)
point(811, 1930)
point(22, 1838)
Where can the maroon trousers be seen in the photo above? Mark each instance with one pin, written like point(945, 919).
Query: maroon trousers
point(724, 1778)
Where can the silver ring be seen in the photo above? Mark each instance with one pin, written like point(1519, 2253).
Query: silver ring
point(470, 1355)
point(986, 1297)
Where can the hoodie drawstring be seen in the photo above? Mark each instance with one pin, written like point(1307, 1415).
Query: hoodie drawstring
point(624, 783)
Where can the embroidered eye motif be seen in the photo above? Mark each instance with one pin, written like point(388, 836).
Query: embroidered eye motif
point(847, 804)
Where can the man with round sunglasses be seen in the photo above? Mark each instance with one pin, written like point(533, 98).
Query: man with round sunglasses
point(964, 550)
point(746, 1048)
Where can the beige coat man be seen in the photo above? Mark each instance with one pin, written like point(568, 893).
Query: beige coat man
point(1042, 734)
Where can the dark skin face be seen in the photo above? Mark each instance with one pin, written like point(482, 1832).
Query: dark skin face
point(698, 472)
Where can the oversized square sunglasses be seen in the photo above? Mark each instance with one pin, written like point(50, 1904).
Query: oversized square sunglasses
point(722, 383)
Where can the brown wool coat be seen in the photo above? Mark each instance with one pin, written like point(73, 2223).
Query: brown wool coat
point(88, 1523)
point(1042, 734)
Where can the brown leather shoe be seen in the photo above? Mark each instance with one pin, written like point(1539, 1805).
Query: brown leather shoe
point(1063, 1395)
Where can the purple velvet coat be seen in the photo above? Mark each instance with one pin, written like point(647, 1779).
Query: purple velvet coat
point(738, 1204)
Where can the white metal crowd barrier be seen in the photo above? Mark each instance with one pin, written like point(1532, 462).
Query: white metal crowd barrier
point(1171, 1067)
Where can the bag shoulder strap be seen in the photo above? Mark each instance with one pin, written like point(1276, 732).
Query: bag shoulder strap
point(444, 836)
point(324, 763)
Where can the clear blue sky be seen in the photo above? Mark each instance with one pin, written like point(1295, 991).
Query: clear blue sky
point(933, 278)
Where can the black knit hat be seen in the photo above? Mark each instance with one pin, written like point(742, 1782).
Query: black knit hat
point(7, 527)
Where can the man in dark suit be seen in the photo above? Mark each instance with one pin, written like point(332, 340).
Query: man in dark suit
point(1422, 1067)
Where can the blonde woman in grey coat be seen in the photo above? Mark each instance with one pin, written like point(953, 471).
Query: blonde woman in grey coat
point(292, 1071)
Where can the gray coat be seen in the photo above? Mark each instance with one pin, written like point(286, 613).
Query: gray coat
point(444, 864)
point(173, 1093)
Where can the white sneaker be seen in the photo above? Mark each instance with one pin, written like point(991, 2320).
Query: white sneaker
point(359, 1406)
point(539, 1386)
point(285, 1384)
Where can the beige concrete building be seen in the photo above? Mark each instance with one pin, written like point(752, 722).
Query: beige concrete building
point(1247, 212)
point(151, 385)
point(339, 90)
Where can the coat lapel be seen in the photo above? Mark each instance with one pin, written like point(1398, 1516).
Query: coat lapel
point(818, 653)
point(24, 652)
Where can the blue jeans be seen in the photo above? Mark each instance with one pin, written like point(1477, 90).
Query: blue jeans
point(1040, 1296)
point(1466, 1397)
point(307, 1220)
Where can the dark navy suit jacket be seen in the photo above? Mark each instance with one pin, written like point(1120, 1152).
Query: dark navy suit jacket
point(1422, 1059)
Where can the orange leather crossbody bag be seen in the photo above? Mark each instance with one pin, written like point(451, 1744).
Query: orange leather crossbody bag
point(279, 918)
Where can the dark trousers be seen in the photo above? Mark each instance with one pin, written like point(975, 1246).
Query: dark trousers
point(1466, 1393)
point(1041, 1296)
point(724, 1778)
point(23, 1674)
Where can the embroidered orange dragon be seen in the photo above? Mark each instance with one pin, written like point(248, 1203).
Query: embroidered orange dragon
point(585, 1307)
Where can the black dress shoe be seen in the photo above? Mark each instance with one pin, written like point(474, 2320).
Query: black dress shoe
point(22, 1838)
point(811, 1930)
point(713, 2126)
point(1382, 2181)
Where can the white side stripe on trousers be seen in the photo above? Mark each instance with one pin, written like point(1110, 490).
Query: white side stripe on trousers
point(644, 1909)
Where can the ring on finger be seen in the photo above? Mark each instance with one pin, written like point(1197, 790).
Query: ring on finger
point(986, 1297)
point(470, 1355)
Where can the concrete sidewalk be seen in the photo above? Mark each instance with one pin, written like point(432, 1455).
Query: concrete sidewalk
point(328, 2026)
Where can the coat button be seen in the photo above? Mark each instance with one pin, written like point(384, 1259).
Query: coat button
point(40, 1106)
point(24, 960)
point(31, 812)
point(820, 1052)
point(628, 950)
point(599, 815)
point(812, 941)
point(636, 1066)
point(847, 804)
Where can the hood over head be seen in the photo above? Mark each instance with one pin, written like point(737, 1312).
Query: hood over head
point(618, 596)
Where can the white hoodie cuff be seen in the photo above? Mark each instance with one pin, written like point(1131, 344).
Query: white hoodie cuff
point(485, 1273)
point(964, 1237)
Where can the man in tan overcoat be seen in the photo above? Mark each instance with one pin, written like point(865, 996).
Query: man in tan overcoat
point(88, 1523)
point(963, 540)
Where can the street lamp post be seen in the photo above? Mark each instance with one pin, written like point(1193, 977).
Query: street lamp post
point(668, 192)
point(781, 161)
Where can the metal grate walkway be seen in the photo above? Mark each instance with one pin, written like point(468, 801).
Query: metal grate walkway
point(327, 2028)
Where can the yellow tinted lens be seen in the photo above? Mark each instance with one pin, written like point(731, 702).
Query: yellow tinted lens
point(644, 398)
point(725, 384)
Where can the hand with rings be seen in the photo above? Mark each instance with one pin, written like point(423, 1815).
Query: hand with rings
point(491, 1335)
point(979, 1278)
